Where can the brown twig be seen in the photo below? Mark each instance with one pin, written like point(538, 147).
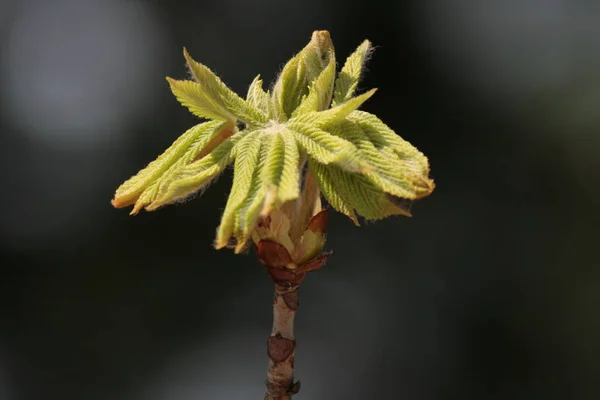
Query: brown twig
point(281, 345)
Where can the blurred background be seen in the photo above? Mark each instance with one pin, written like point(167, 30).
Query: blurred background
point(491, 290)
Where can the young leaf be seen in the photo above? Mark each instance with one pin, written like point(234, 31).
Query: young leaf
point(281, 172)
point(323, 178)
point(299, 72)
point(359, 193)
point(249, 211)
point(412, 161)
point(220, 94)
point(316, 54)
point(388, 172)
point(349, 76)
point(193, 177)
point(334, 115)
point(193, 96)
point(325, 147)
point(289, 182)
point(184, 148)
point(257, 97)
point(247, 158)
point(271, 172)
point(320, 91)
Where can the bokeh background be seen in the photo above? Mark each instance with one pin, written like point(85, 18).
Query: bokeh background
point(491, 290)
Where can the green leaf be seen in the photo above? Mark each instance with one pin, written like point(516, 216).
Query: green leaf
point(413, 163)
point(320, 91)
point(325, 147)
point(289, 182)
point(271, 172)
point(356, 191)
point(272, 179)
point(388, 172)
point(281, 172)
point(246, 162)
point(220, 94)
point(193, 177)
point(334, 115)
point(193, 96)
point(323, 178)
point(349, 76)
point(182, 151)
point(257, 97)
point(293, 82)
point(248, 212)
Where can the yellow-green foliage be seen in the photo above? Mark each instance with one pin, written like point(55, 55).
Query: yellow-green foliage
point(309, 119)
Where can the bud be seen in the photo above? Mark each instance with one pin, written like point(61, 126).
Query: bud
point(289, 240)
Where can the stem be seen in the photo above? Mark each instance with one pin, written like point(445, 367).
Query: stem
point(282, 345)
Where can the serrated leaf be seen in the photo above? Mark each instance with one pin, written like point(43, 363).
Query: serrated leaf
point(334, 115)
point(388, 172)
point(349, 76)
point(248, 212)
point(281, 172)
point(193, 177)
point(271, 171)
point(413, 162)
point(289, 182)
point(321, 175)
point(193, 96)
point(359, 193)
point(325, 147)
point(293, 81)
point(257, 97)
point(320, 91)
point(220, 94)
point(184, 149)
point(316, 54)
point(247, 158)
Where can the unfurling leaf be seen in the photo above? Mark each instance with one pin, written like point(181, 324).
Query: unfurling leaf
point(335, 114)
point(320, 91)
point(384, 138)
point(325, 147)
point(247, 152)
point(347, 80)
point(257, 97)
point(353, 191)
point(199, 102)
point(191, 178)
point(220, 94)
point(388, 171)
point(181, 152)
point(248, 212)
point(323, 178)
point(296, 76)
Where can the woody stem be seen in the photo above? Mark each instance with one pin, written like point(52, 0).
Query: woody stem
point(281, 345)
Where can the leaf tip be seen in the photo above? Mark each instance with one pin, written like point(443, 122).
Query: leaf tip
point(115, 203)
point(137, 208)
point(220, 243)
point(188, 58)
point(240, 247)
point(121, 202)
